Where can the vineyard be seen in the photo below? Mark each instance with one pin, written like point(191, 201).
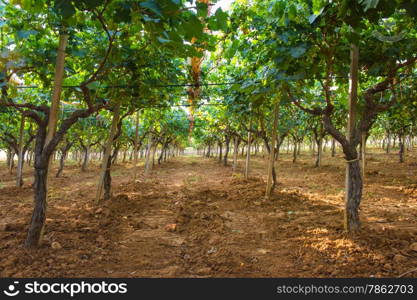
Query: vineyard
point(173, 138)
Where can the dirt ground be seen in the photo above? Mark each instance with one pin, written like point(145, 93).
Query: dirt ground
point(195, 218)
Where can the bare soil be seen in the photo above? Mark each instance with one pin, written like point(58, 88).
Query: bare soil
point(195, 218)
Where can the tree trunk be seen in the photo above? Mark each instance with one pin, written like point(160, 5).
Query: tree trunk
point(401, 145)
point(353, 196)
point(115, 155)
point(86, 158)
point(19, 178)
point(247, 163)
point(288, 145)
point(333, 147)
point(30, 156)
point(161, 155)
point(226, 151)
point(319, 152)
point(153, 154)
point(294, 153)
point(353, 172)
point(135, 147)
point(208, 150)
point(271, 180)
point(363, 154)
point(11, 161)
point(9, 153)
point(107, 180)
point(107, 154)
point(37, 222)
point(235, 152)
point(61, 165)
point(148, 165)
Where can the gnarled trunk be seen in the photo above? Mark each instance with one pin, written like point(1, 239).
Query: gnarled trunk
point(86, 157)
point(21, 155)
point(401, 150)
point(294, 153)
point(226, 151)
point(107, 181)
point(40, 187)
point(61, 164)
point(11, 161)
point(208, 150)
point(319, 152)
point(39, 212)
point(235, 152)
point(220, 151)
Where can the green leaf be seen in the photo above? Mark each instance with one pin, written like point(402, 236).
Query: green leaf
point(221, 18)
point(292, 12)
point(314, 17)
point(93, 85)
point(194, 27)
point(298, 51)
point(202, 9)
point(122, 14)
point(23, 34)
point(80, 52)
point(163, 40)
point(153, 6)
point(64, 8)
point(368, 4)
point(90, 4)
point(148, 19)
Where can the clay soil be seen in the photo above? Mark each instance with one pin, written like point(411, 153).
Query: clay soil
point(195, 218)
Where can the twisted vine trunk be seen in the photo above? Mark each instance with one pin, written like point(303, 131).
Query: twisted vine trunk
point(64, 152)
point(208, 150)
point(247, 162)
point(235, 152)
point(19, 178)
point(61, 165)
point(107, 181)
point(86, 158)
point(319, 152)
point(271, 180)
point(11, 161)
point(148, 165)
point(105, 167)
point(294, 153)
point(401, 147)
point(226, 151)
point(37, 221)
